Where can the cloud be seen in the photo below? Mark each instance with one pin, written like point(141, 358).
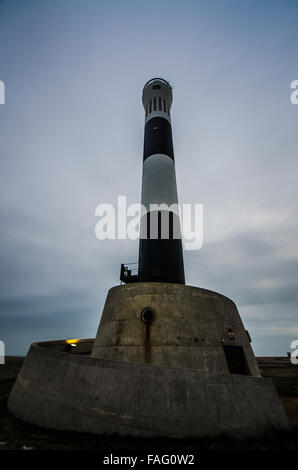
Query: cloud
point(71, 138)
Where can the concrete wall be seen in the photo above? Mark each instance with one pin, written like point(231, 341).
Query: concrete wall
point(67, 391)
point(190, 328)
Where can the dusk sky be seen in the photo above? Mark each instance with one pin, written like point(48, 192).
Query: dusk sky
point(72, 137)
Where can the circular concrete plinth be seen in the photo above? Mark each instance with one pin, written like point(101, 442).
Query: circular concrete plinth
point(60, 390)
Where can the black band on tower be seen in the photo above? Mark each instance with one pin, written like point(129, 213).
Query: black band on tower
point(161, 261)
point(158, 138)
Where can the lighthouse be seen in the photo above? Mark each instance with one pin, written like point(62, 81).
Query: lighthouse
point(160, 247)
point(169, 360)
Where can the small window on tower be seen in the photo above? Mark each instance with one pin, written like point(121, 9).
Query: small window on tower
point(164, 106)
point(156, 87)
point(150, 107)
point(154, 104)
point(159, 104)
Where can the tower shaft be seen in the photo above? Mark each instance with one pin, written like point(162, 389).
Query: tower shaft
point(160, 248)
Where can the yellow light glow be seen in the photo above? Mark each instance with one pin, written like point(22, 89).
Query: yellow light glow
point(72, 341)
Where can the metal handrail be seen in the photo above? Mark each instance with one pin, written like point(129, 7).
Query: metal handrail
point(129, 272)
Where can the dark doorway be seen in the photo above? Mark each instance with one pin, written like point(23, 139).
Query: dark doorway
point(236, 360)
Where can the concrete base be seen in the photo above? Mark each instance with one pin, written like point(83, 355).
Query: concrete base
point(61, 390)
point(192, 328)
point(163, 364)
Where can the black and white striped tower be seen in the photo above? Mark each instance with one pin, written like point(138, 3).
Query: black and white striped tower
point(160, 249)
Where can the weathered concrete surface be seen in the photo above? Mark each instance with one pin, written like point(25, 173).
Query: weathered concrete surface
point(60, 390)
point(190, 328)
